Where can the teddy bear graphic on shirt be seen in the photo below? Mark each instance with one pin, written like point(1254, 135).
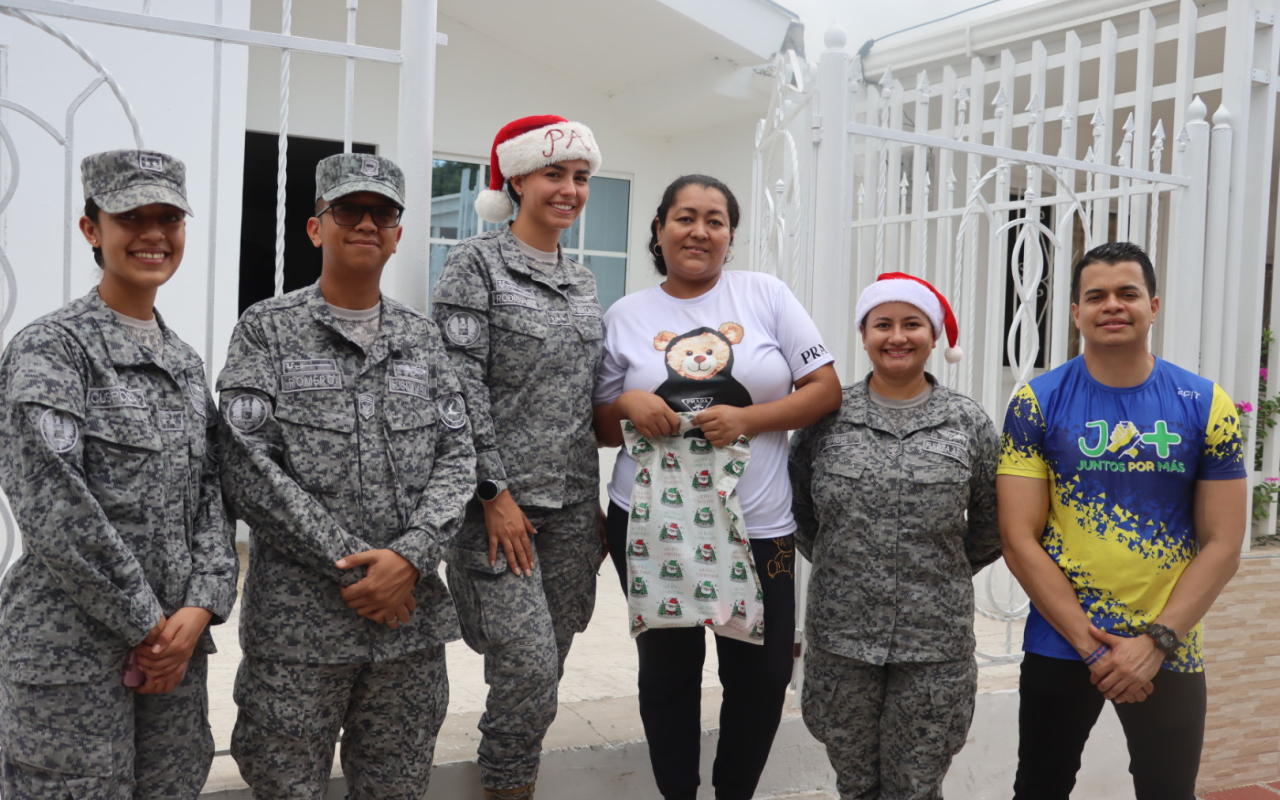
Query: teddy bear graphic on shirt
point(700, 370)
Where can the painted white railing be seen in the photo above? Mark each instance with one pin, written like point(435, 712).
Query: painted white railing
point(977, 179)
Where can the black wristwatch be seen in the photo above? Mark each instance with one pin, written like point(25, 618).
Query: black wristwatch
point(1165, 638)
point(490, 489)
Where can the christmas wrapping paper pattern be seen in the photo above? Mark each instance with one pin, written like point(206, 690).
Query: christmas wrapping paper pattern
point(688, 559)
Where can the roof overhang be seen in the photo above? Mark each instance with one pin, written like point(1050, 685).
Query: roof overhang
point(661, 65)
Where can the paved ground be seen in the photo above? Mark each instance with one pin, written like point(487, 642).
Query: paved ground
point(1257, 791)
point(602, 664)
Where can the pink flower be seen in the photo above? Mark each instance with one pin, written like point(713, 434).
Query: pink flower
point(1262, 373)
point(1272, 480)
point(1244, 408)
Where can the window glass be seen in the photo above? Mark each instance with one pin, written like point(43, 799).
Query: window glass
point(608, 209)
point(611, 277)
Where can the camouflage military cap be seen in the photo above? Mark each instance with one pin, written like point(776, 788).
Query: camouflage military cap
point(347, 173)
point(120, 180)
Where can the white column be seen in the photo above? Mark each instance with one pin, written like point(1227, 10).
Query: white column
point(830, 273)
point(415, 137)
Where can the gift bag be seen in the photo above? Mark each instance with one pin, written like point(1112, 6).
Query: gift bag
point(688, 559)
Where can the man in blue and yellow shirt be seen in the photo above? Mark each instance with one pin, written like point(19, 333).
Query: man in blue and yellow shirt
point(1122, 502)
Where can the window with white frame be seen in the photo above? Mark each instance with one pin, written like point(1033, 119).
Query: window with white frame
point(597, 239)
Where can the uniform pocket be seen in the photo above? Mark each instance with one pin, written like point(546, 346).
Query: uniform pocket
point(317, 440)
point(843, 468)
point(121, 460)
point(70, 753)
point(412, 431)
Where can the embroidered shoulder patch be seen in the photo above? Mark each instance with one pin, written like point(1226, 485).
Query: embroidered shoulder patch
point(462, 329)
point(247, 413)
point(115, 397)
point(59, 429)
point(453, 411)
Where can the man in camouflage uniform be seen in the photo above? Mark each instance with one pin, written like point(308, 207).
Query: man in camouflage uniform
point(881, 498)
point(107, 456)
point(349, 454)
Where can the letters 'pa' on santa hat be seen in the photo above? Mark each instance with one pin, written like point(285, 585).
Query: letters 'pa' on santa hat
point(529, 144)
point(899, 287)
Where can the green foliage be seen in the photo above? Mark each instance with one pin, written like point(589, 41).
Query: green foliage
point(1264, 494)
point(446, 176)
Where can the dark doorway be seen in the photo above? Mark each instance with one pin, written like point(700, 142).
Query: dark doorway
point(258, 207)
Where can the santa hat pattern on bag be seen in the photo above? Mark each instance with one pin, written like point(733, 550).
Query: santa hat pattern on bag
point(528, 144)
point(899, 287)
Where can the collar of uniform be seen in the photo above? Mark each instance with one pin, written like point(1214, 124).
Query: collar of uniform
point(319, 309)
point(123, 349)
point(396, 335)
point(857, 408)
point(514, 260)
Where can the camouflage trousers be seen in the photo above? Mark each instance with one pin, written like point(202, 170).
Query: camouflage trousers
point(389, 712)
point(524, 627)
point(892, 730)
point(104, 740)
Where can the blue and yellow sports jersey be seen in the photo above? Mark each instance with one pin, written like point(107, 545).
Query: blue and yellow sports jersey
point(1122, 466)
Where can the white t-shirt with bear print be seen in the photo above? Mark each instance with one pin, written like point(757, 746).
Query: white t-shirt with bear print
point(680, 349)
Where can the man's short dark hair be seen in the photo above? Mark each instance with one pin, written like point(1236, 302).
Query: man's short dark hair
point(1115, 253)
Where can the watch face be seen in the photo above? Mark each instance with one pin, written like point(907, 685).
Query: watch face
point(487, 490)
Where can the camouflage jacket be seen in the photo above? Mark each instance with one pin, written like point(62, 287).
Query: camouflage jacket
point(526, 347)
point(107, 457)
point(331, 450)
point(896, 524)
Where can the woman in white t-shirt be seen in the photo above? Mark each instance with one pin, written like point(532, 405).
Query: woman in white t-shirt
point(737, 348)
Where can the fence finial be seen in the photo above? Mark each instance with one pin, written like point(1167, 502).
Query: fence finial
point(834, 38)
point(1197, 111)
point(923, 88)
point(1222, 117)
point(1067, 116)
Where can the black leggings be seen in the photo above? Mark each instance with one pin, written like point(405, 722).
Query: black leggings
point(1058, 707)
point(754, 678)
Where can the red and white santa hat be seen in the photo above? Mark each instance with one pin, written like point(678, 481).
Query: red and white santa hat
point(899, 287)
point(527, 144)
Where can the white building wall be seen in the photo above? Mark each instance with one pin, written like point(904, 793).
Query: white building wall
point(170, 89)
point(480, 87)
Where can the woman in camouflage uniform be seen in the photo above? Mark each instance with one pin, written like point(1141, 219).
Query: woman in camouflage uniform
point(107, 457)
point(521, 324)
point(894, 496)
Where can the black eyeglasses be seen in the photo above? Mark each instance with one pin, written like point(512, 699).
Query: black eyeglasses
point(350, 214)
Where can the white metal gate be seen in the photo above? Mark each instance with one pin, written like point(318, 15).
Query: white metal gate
point(990, 175)
point(416, 61)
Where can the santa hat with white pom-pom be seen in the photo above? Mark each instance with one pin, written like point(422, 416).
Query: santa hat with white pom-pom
point(528, 144)
point(899, 287)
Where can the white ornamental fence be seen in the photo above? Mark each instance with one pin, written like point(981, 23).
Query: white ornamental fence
point(991, 175)
point(46, 18)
